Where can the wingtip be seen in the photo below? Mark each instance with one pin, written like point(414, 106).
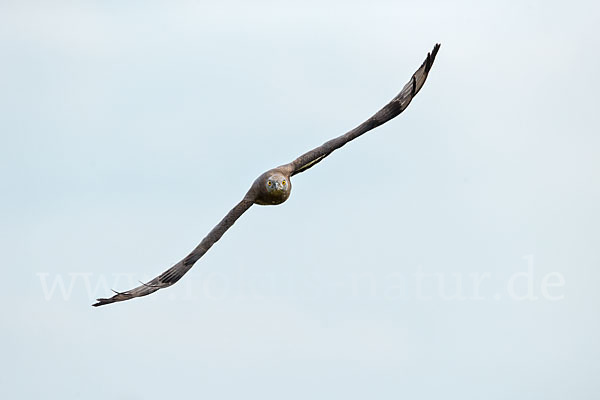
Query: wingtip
point(435, 49)
point(431, 57)
point(101, 302)
point(110, 300)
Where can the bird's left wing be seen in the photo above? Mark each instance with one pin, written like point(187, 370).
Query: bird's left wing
point(391, 110)
point(173, 274)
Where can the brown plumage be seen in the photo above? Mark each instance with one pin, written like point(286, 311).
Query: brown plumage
point(274, 186)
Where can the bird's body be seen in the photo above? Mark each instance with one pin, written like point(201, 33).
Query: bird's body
point(274, 186)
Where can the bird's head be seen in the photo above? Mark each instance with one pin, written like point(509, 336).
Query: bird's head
point(277, 184)
point(271, 188)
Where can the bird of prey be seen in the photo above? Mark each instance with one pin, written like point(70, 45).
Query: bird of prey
point(274, 186)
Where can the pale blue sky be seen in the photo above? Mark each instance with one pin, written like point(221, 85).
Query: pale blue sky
point(128, 129)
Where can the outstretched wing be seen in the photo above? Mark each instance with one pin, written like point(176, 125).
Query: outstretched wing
point(391, 110)
point(173, 274)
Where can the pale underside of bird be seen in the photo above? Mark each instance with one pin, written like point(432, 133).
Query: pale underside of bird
point(274, 186)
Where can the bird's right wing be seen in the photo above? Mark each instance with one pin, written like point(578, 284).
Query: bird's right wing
point(391, 110)
point(173, 274)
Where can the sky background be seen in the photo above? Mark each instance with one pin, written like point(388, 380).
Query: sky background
point(449, 254)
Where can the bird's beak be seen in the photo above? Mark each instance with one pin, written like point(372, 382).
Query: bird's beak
point(279, 186)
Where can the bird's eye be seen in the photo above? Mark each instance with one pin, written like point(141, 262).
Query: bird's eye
point(269, 183)
point(283, 183)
